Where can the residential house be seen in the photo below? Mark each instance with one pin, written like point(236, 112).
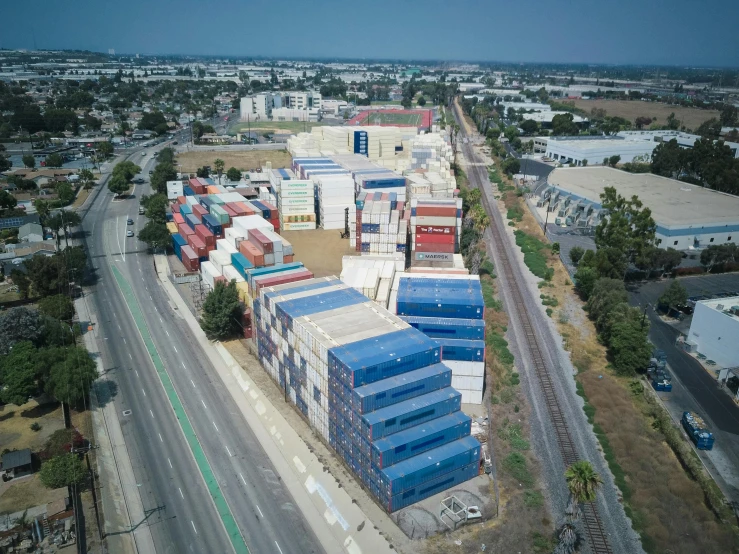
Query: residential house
point(17, 463)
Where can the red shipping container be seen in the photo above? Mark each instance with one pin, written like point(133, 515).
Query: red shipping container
point(230, 211)
point(436, 239)
point(181, 200)
point(436, 210)
point(197, 244)
point(446, 248)
point(205, 234)
point(190, 259)
point(192, 182)
point(282, 279)
point(272, 209)
point(175, 208)
point(198, 189)
point(243, 208)
point(199, 210)
point(257, 238)
point(252, 253)
point(288, 259)
point(185, 230)
point(178, 218)
point(434, 230)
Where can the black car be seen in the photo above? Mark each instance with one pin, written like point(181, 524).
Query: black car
point(687, 310)
point(139, 180)
point(151, 172)
point(129, 222)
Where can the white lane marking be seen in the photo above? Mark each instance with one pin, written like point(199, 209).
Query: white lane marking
point(193, 384)
point(124, 340)
point(278, 547)
point(152, 414)
point(142, 278)
point(119, 326)
point(129, 355)
point(259, 510)
point(142, 390)
point(160, 319)
point(166, 331)
point(170, 463)
point(203, 403)
point(175, 349)
point(182, 495)
point(196, 531)
point(137, 372)
point(160, 437)
point(214, 425)
point(150, 298)
point(183, 364)
point(244, 481)
point(227, 450)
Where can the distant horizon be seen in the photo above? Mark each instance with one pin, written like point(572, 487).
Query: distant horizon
point(664, 33)
point(334, 59)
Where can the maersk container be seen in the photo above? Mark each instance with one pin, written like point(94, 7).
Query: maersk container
point(432, 487)
point(213, 225)
point(386, 421)
point(393, 390)
point(376, 358)
point(412, 442)
point(462, 350)
point(418, 470)
point(448, 327)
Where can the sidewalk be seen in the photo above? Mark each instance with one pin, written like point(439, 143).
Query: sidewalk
point(339, 524)
point(121, 505)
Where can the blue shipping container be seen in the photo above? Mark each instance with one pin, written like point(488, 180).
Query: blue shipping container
point(241, 263)
point(434, 463)
point(299, 286)
point(393, 390)
point(462, 350)
point(187, 191)
point(411, 442)
point(448, 327)
point(386, 421)
point(432, 487)
point(258, 272)
point(191, 220)
point(213, 225)
point(185, 209)
point(376, 358)
point(440, 298)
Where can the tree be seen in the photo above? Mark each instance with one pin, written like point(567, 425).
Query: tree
point(606, 295)
point(717, 256)
point(219, 164)
point(54, 160)
point(421, 101)
point(582, 481)
point(58, 306)
point(151, 120)
point(62, 471)
point(163, 172)
point(221, 312)
point(104, 149)
point(88, 178)
point(642, 121)
point(65, 193)
point(29, 160)
point(529, 127)
point(710, 129)
point(511, 165)
point(663, 260)
point(5, 163)
point(669, 159)
point(19, 324)
point(70, 372)
point(126, 169)
point(675, 295)
point(563, 124)
point(18, 374)
point(729, 116)
point(613, 160)
point(7, 200)
point(584, 163)
point(202, 172)
point(155, 207)
point(576, 253)
point(21, 281)
point(118, 185)
point(406, 102)
point(629, 347)
point(233, 174)
point(155, 235)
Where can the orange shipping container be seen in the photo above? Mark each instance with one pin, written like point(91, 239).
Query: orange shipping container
point(212, 189)
point(252, 253)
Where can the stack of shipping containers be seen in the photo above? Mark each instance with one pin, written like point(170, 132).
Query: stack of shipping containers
point(436, 225)
point(373, 387)
point(381, 224)
point(449, 309)
point(335, 197)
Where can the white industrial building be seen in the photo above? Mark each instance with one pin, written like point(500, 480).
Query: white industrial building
point(282, 106)
point(714, 331)
point(687, 216)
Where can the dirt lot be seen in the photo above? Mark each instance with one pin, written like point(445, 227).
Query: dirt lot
point(15, 424)
point(319, 250)
point(631, 109)
point(244, 160)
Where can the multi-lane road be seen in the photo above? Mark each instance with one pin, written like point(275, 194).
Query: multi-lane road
point(224, 491)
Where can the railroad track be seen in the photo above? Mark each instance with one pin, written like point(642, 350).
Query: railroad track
point(591, 520)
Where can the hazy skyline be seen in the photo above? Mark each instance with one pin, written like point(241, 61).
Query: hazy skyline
point(665, 32)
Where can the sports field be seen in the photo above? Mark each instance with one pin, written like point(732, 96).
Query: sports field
point(400, 118)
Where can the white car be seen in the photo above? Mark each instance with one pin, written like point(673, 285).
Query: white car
point(129, 233)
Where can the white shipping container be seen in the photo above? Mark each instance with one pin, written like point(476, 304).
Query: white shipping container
point(465, 369)
point(471, 397)
point(226, 245)
point(219, 259)
point(232, 274)
point(209, 272)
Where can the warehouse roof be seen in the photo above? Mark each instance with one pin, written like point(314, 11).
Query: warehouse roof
point(673, 203)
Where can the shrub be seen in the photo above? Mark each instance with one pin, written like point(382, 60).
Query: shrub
point(533, 499)
point(517, 466)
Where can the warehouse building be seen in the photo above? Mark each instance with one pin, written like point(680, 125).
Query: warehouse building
point(283, 106)
point(714, 331)
point(591, 150)
point(373, 387)
point(687, 216)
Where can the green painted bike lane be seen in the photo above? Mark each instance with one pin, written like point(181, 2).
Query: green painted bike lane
point(224, 511)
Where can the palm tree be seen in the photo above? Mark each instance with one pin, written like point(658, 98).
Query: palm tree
point(568, 539)
point(219, 164)
point(583, 481)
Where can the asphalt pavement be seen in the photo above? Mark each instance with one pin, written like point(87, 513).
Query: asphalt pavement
point(179, 501)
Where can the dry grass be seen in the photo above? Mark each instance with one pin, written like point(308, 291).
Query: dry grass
point(244, 160)
point(15, 425)
point(81, 198)
point(320, 251)
point(26, 493)
point(631, 109)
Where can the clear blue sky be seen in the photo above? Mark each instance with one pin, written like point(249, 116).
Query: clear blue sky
point(672, 32)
